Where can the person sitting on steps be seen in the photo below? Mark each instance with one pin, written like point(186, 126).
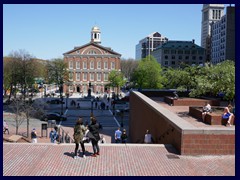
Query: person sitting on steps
point(228, 116)
point(206, 109)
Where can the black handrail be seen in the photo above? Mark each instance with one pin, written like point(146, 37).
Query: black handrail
point(63, 140)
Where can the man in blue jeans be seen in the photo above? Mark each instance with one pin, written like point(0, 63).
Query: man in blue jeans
point(118, 134)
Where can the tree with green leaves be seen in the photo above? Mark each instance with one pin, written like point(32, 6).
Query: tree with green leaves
point(116, 79)
point(148, 74)
point(216, 79)
point(19, 72)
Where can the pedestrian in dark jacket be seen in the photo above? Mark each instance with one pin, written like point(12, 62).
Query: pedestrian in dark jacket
point(79, 131)
point(124, 136)
point(94, 130)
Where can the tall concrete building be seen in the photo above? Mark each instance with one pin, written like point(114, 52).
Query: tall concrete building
point(223, 37)
point(149, 44)
point(91, 64)
point(211, 13)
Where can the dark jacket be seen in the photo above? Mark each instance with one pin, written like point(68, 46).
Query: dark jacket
point(94, 130)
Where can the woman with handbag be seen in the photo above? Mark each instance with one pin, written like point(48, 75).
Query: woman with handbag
point(79, 131)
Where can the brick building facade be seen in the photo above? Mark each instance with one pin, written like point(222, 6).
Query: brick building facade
point(91, 63)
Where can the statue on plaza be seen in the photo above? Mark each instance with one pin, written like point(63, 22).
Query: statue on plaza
point(89, 90)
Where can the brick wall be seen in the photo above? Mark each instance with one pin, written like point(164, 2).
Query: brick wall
point(210, 118)
point(205, 144)
point(190, 101)
point(168, 128)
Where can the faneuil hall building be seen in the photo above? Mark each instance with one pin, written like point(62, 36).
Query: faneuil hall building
point(91, 64)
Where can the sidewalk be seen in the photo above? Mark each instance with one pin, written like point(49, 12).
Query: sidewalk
point(115, 160)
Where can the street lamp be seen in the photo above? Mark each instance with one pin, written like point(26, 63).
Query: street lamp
point(122, 115)
point(67, 95)
point(61, 97)
point(91, 107)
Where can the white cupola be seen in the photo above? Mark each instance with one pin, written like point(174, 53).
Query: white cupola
point(96, 35)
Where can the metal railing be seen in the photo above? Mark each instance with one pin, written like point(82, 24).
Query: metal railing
point(64, 138)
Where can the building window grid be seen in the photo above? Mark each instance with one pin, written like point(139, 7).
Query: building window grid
point(70, 65)
point(105, 65)
point(105, 77)
point(77, 76)
point(99, 77)
point(91, 65)
point(99, 65)
point(84, 65)
point(85, 76)
point(77, 65)
point(92, 76)
point(71, 76)
point(112, 65)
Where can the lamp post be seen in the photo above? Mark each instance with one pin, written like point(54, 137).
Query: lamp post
point(61, 97)
point(122, 115)
point(91, 107)
point(45, 89)
point(67, 95)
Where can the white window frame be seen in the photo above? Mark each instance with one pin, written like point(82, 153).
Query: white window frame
point(85, 76)
point(105, 77)
point(77, 76)
point(84, 65)
point(77, 65)
point(105, 65)
point(92, 65)
point(99, 65)
point(99, 77)
point(70, 64)
point(71, 76)
point(112, 65)
point(91, 76)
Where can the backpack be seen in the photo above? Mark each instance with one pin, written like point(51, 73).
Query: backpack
point(33, 135)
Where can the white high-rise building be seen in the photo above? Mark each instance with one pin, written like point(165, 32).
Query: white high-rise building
point(149, 44)
point(223, 38)
point(211, 13)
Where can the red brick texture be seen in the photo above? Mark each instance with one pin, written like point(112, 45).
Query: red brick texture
point(212, 144)
point(211, 118)
point(190, 101)
point(188, 140)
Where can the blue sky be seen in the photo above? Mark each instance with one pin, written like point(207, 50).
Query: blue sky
point(48, 31)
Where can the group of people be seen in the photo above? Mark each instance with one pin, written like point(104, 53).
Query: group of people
point(82, 133)
point(120, 136)
point(228, 113)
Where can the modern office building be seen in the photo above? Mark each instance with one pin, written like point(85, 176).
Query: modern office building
point(223, 37)
point(211, 13)
point(89, 65)
point(177, 53)
point(149, 44)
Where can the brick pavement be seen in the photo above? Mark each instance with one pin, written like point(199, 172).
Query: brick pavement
point(26, 159)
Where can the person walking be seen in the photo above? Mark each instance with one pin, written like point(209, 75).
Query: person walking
point(124, 136)
point(79, 131)
point(53, 136)
point(67, 138)
point(148, 137)
point(34, 135)
point(94, 136)
point(5, 127)
point(102, 140)
point(118, 134)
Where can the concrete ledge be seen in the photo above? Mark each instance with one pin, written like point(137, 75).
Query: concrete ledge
point(168, 128)
point(14, 138)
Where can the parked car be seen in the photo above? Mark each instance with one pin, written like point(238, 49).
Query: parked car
point(53, 116)
point(55, 101)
